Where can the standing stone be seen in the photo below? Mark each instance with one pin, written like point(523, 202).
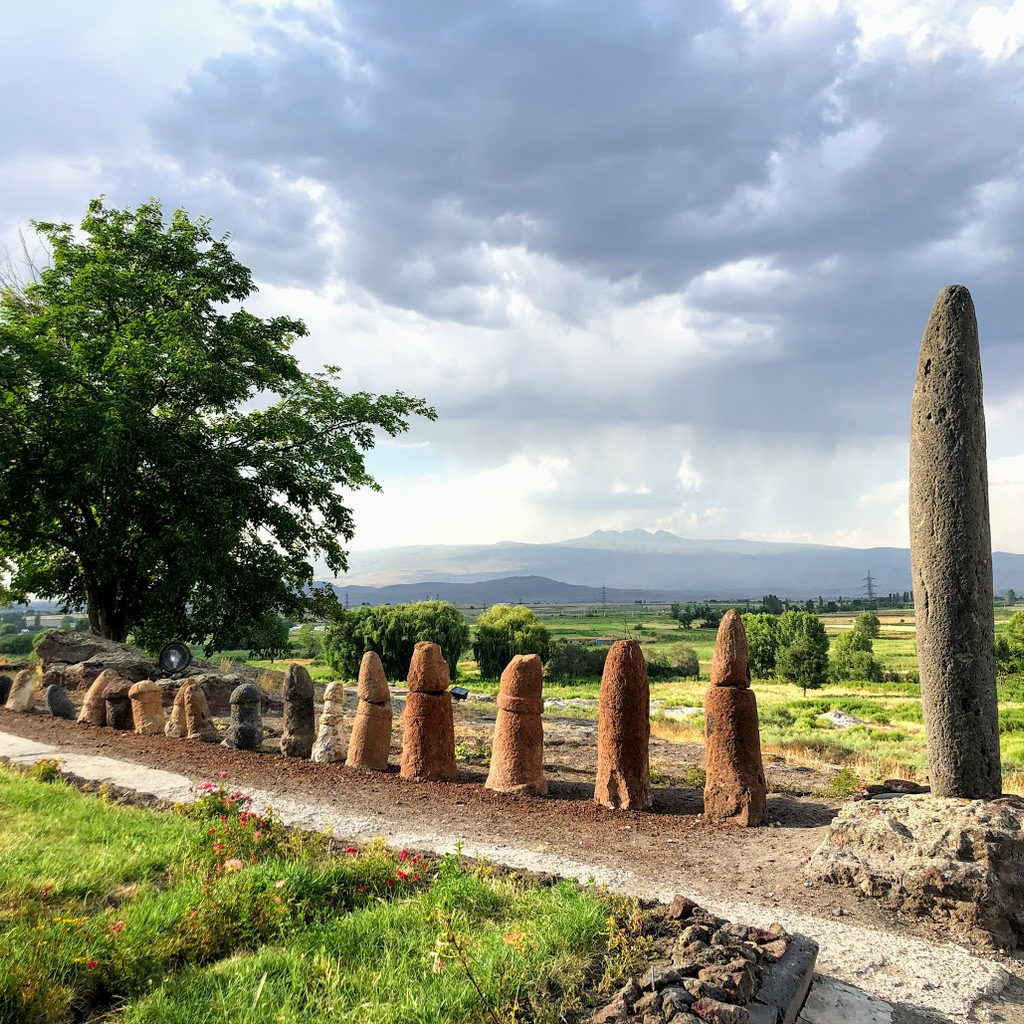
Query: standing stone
point(330, 741)
point(428, 726)
point(299, 723)
point(58, 702)
point(176, 727)
point(246, 729)
point(624, 730)
point(198, 723)
point(147, 708)
point(517, 757)
point(5, 688)
point(735, 789)
point(23, 692)
point(94, 707)
point(119, 705)
point(370, 743)
point(951, 555)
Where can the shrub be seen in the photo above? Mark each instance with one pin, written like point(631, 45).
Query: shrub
point(504, 631)
point(393, 632)
point(567, 660)
point(682, 662)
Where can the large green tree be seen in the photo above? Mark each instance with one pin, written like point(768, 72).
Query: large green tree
point(393, 632)
point(762, 643)
point(504, 631)
point(164, 460)
point(803, 650)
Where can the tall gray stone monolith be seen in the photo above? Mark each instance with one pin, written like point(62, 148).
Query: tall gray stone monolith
point(951, 555)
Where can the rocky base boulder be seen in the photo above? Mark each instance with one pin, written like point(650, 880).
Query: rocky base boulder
point(959, 863)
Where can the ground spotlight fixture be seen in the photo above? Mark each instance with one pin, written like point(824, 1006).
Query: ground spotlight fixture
point(174, 658)
point(459, 693)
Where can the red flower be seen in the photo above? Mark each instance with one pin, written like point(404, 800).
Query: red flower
point(351, 849)
point(93, 964)
point(389, 882)
point(415, 878)
point(404, 855)
point(403, 876)
point(362, 888)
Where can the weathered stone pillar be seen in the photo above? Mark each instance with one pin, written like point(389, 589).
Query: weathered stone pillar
point(147, 708)
point(517, 756)
point(951, 555)
point(299, 721)
point(94, 707)
point(624, 730)
point(177, 727)
point(428, 727)
point(246, 729)
point(119, 705)
point(370, 743)
point(198, 723)
point(23, 692)
point(330, 740)
point(735, 787)
point(58, 702)
point(5, 688)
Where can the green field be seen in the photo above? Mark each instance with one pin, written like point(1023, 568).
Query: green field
point(144, 916)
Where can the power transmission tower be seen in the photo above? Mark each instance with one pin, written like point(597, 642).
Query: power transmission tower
point(869, 586)
point(604, 596)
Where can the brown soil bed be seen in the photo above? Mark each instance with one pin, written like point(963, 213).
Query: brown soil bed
point(670, 848)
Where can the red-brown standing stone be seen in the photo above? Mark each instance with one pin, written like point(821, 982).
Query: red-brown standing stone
point(94, 707)
point(730, 664)
point(428, 727)
point(147, 708)
point(517, 757)
point(735, 788)
point(624, 730)
point(370, 743)
point(198, 723)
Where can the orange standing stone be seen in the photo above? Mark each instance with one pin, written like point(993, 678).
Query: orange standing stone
point(370, 744)
point(517, 757)
point(735, 788)
point(428, 726)
point(624, 730)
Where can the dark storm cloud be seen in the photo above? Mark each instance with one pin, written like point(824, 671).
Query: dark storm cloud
point(644, 145)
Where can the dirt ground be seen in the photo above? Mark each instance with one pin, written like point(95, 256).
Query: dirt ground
point(671, 842)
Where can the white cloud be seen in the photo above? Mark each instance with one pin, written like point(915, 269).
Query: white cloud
point(688, 477)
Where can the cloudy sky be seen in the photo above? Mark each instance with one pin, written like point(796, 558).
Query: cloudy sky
point(657, 264)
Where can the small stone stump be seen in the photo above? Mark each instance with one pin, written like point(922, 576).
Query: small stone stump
point(5, 688)
point(58, 702)
point(330, 741)
point(299, 721)
point(198, 723)
point(624, 730)
point(23, 693)
point(735, 788)
point(119, 705)
point(94, 707)
point(246, 729)
point(517, 757)
point(428, 726)
point(370, 743)
point(147, 708)
point(176, 727)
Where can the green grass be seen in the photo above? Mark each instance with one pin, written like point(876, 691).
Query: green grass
point(139, 915)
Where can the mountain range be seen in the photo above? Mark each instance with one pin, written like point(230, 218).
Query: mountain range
point(633, 565)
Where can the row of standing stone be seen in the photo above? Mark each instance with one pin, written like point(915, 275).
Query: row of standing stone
point(735, 785)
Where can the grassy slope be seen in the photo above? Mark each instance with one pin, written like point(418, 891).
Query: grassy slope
point(134, 910)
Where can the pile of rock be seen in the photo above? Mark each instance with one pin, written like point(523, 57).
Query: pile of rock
point(713, 971)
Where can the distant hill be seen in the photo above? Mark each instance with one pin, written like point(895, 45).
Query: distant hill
point(639, 561)
point(510, 590)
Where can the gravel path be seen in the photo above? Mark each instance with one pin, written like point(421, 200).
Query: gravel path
point(925, 981)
